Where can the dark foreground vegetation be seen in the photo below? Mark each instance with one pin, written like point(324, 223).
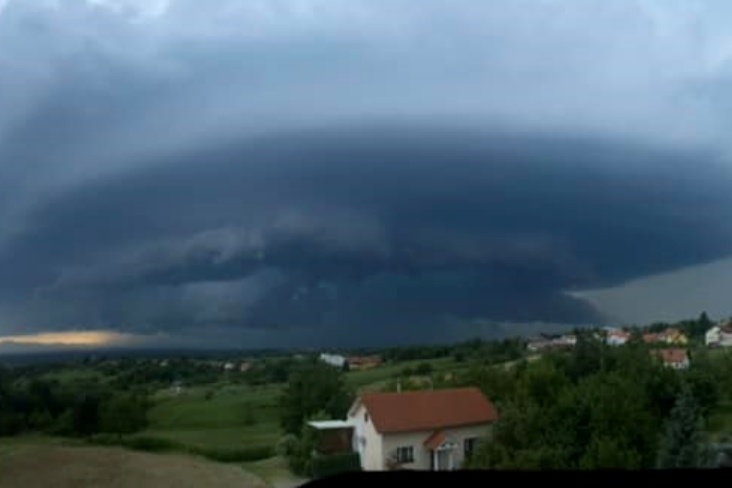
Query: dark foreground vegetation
point(600, 406)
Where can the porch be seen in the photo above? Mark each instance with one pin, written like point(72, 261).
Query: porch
point(442, 452)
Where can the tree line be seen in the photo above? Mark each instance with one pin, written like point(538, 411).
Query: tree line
point(75, 408)
point(601, 407)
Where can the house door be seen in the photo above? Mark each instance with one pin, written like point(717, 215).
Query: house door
point(441, 460)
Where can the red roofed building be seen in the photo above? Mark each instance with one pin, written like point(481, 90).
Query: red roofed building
point(425, 430)
point(673, 358)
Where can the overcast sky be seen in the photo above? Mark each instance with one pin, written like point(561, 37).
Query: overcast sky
point(288, 172)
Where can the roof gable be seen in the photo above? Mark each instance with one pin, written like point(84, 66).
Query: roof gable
point(672, 356)
point(427, 410)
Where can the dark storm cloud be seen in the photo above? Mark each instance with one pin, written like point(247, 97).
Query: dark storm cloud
point(394, 227)
point(352, 168)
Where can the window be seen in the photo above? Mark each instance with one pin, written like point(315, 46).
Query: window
point(405, 454)
point(469, 445)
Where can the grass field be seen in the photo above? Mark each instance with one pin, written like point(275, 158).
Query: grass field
point(372, 377)
point(82, 467)
point(74, 374)
point(233, 416)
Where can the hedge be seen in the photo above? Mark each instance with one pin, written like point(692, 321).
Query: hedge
point(235, 455)
point(324, 466)
point(158, 444)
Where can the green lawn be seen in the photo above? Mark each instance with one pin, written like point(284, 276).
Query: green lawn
point(234, 416)
point(720, 421)
point(70, 375)
point(228, 415)
point(391, 371)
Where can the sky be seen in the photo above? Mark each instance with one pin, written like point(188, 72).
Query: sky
point(257, 173)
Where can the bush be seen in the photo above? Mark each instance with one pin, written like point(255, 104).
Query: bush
point(324, 466)
point(159, 444)
point(105, 440)
point(151, 444)
point(236, 455)
point(137, 443)
point(424, 368)
point(286, 446)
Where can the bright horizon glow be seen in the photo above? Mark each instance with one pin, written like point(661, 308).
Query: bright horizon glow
point(73, 338)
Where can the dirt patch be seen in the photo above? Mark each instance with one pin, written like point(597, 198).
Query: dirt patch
point(87, 467)
point(288, 483)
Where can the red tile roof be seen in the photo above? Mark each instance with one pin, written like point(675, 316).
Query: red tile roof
point(435, 440)
point(428, 410)
point(651, 338)
point(672, 356)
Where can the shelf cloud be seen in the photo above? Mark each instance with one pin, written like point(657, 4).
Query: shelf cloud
point(306, 172)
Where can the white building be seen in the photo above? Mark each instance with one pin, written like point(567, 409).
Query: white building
point(719, 336)
point(617, 337)
point(335, 360)
point(434, 430)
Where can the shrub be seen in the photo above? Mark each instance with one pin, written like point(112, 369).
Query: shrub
point(136, 443)
point(236, 455)
point(324, 466)
point(286, 446)
point(151, 444)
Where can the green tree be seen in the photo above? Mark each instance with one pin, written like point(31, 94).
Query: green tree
point(302, 452)
point(605, 452)
point(682, 445)
point(423, 368)
point(85, 415)
point(543, 382)
point(311, 388)
point(704, 384)
point(123, 414)
point(704, 322)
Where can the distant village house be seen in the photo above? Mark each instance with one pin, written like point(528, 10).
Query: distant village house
point(335, 360)
point(719, 336)
point(673, 358)
point(669, 336)
point(363, 362)
point(617, 337)
point(540, 344)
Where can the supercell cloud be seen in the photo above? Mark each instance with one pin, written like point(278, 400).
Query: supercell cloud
point(288, 172)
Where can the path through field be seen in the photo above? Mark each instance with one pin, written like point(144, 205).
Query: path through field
point(30, 466)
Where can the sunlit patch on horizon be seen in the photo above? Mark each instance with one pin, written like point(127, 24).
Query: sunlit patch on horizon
point(74, 338)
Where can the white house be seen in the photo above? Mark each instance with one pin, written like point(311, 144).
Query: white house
point(617, 337)
point(333, 360)
point(422, 430)
point(719, 336)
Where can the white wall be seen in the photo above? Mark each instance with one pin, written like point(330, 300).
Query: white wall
point(422, 455)
point(371, 452)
